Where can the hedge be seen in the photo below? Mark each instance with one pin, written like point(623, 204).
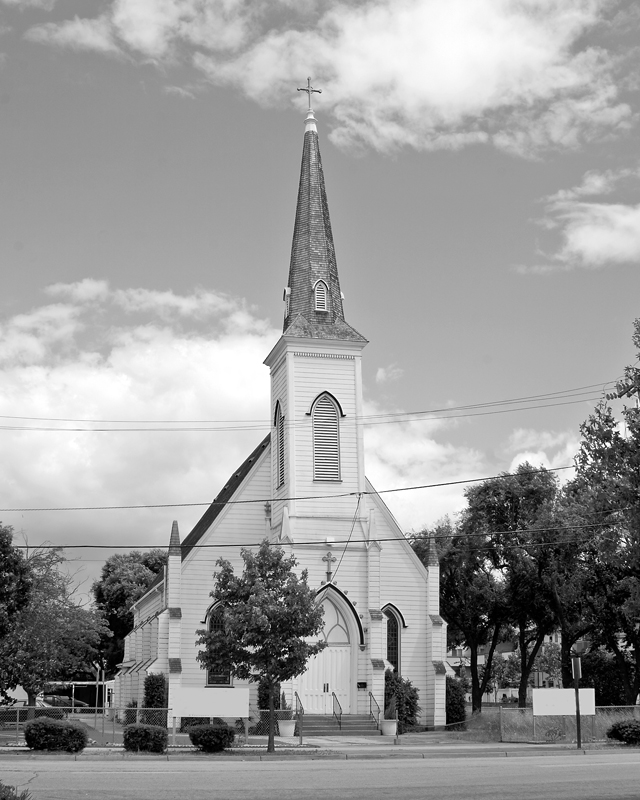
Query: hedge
point(211, 738)
point(145, 738)
point(455, 702)
point(46, 733)
point(626, 730)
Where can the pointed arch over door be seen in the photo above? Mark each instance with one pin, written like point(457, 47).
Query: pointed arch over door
point(331, 672)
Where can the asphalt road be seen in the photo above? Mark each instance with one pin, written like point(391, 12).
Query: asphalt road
point(591, 777)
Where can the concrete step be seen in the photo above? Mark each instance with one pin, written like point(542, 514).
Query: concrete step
point(327, 725)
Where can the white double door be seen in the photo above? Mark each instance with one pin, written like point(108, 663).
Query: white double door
point(328, 672)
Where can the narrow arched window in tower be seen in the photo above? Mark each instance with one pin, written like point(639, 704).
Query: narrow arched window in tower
point(279, 448)
point(326, 439)
point(393, 640)
point(321, 294)
point(217, 676)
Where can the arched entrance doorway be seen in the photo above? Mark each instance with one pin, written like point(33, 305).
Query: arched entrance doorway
point(330, 671)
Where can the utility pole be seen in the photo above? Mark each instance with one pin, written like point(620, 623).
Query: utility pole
point(576, 670)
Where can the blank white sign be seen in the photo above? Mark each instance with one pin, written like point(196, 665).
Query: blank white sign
point(562, 702)
point(210, 702)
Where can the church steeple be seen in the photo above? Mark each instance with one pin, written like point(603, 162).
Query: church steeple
point(313, 300)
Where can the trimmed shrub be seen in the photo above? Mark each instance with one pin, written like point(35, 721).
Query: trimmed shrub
point(46, 733)
point(9, 793)
point(406, 699)
point(263, 695)
point(145, 738)
point(155, 690)
point(131, 712)
point(626, 730)
point(155, 696)
point(456, 710)
point(211, 738)
point(189, 722)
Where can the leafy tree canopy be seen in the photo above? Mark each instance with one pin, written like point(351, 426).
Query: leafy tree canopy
point(123, 580)
point(15, 580)
point(53, 637)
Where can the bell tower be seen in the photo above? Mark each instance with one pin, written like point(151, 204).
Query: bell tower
point(316, 376)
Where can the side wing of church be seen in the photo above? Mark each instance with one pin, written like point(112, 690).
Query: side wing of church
point(304, 488)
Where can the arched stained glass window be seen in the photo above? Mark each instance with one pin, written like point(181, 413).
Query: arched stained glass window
point(393, 640)
point(217, 677)
point(326, 439)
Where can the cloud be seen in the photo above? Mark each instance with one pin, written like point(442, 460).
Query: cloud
point(140, 358)
point(78, 34)
point(419, 73)
point(412, 454)
point(179, 91)
point(80, 292)
point(105, 354)
point(391, 373)
point(549, 449)
point(47, 5)
point(593, 234)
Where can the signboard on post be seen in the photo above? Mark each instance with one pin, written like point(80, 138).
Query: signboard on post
point(216, 702)
point(562, 702)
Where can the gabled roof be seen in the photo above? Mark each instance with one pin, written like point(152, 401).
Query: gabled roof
point(210, 515)
point(313, 256)
point(223, 497)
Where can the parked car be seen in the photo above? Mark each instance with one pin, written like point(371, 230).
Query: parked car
point(20, 712)
point(63, 701)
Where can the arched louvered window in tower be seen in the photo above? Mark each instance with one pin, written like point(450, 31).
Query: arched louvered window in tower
point(326, 439)
point(217, 677)
point(279, 449)
point(321, 293)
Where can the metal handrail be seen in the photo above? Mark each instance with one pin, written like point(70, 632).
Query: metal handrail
point(337, 713)
point(374, 710)
point(299, 713)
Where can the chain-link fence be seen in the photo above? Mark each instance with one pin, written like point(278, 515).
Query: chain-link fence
point(520, 725)
point(286, 723)
point(104, 726)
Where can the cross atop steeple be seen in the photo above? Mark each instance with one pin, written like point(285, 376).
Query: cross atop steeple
point(309, 90)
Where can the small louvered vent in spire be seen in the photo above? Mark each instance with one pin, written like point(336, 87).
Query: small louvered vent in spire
point(321, 296)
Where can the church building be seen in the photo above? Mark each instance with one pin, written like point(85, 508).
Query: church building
point(304, 488)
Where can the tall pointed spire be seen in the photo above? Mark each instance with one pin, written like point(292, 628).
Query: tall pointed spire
point(313, 298)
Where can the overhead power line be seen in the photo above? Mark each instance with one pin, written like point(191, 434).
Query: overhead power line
point(312, 543)
point(582, 393)
point(283, 499)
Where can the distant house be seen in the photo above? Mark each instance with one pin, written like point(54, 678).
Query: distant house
point(304, 488)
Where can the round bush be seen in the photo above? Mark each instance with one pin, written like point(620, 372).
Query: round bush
point(145, 738)
point(626, 730)
point(46, 733)
point(211, 738)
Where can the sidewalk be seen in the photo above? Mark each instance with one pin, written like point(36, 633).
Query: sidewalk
point(344, 748)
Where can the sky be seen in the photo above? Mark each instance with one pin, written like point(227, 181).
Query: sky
point(483, 174)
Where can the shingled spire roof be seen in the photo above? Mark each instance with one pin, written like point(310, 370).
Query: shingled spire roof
point(313, 258)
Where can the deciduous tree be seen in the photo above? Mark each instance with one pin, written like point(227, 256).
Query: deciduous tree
point(269, 613)
point(123, 580)
point(53, 637)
